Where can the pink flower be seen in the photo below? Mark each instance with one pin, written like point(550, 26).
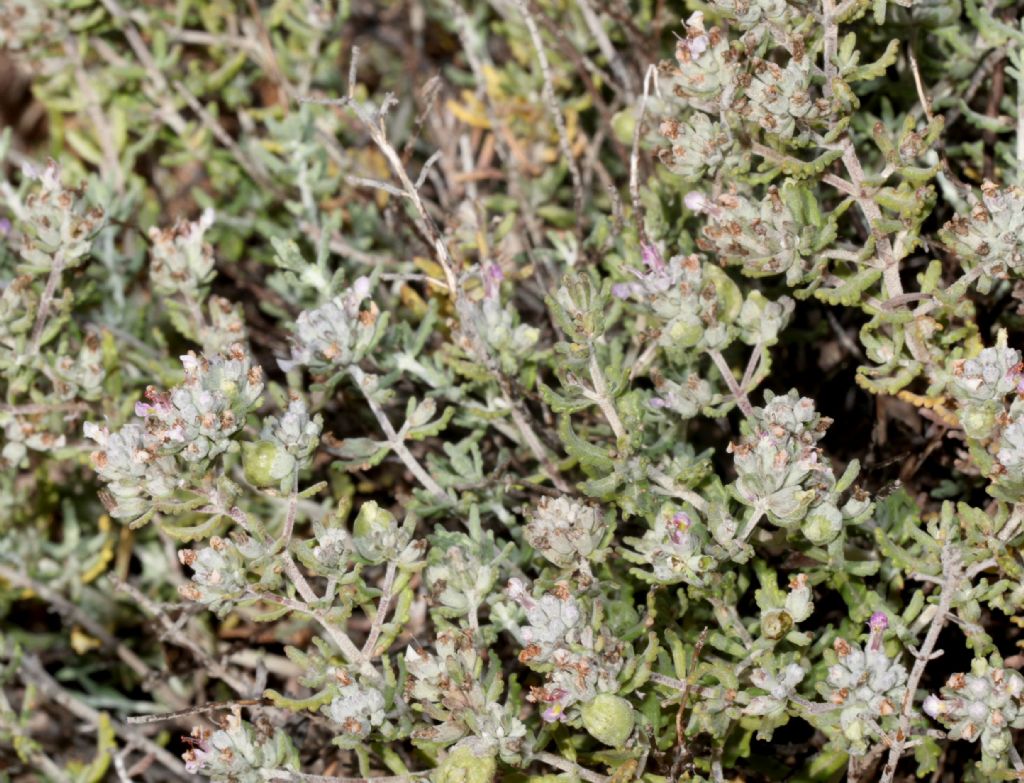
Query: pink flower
point(158, 404)
point(678, 527)
point(695, 201)
point(652, 258)
point(195, 757)
point(623, 290)
point(878, 623)
point(558, 700)
point(492, 280)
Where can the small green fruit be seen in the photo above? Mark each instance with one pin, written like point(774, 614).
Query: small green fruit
point(265, 463)
point(978, 421)
point(823, 524)
point(373, 531)
point(609, 719)
point(462, 765)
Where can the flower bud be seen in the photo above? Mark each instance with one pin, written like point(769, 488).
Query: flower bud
point(608, 718)
point(776, 624)
point(565, 531)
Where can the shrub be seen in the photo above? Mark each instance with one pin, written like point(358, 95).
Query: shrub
point(630, 399)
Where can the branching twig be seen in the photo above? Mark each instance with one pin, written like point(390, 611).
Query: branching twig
point(46, 301)
point(383, 605)
point(396, 443)
point(734, 388)
point(201, 709)
point(651, 77)
point(180, 638)
point(95, 629)
point(551, 104)
point(32, 671)
point(603, 398)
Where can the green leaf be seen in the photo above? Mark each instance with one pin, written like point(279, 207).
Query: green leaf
point(876, 69)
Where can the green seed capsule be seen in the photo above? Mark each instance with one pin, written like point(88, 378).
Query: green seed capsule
point(609, 719)
point(265, 463)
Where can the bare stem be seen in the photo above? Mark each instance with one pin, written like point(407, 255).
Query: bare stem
point(386, 592)
point(46, 301)
point(178, 637)
point(96, 629)
point(889, 262)
point(651, 77)
point(304, 777)
point(603, 399)
point(340, 638)
point(565, 765)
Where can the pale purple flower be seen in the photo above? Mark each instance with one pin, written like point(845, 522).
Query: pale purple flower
point(158, 404)
point(933, 706)
point(878, 623)
point(492, 280)
point(652, 258)
point(5, 226)
point(198, 755)
point(623, 290)
point(360, 289)
point(696, 201)
point(678, 527)
point(698, 46)
point(555, 712)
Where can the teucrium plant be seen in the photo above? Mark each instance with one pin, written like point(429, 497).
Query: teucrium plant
point(631, 401)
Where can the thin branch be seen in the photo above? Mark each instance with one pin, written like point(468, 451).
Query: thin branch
point(46, 301)
point(565, 765)
point(104, 135)
point(611, 54)
point(386, 594)
point(602, 397)
point(375, 127)
point(348, 649)
point(304, 777)
point(651, 77)
point(555, 113)
point(174, 634)
point(202, 709)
